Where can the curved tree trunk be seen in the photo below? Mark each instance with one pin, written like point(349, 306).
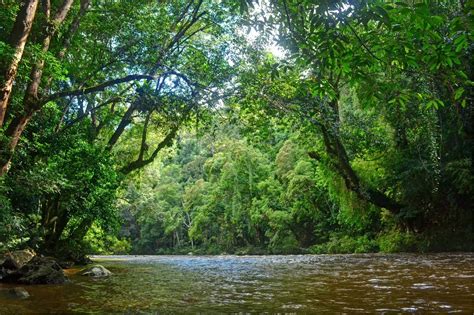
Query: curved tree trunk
point(341, 164)
point(18, 38)
point(13, 133)
point(31, 102)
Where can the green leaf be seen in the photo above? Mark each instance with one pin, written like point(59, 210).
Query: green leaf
point(459, 92)
point(460, 43)
point(432, 104)
point(449, 61)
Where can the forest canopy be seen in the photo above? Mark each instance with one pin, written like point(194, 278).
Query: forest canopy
point(210, 126)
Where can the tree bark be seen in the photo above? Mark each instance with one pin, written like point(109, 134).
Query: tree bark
point(31, 102)
point(31, 96)
point(18, 38)
point(124, 122)
point(13, 133)
point(140, 162)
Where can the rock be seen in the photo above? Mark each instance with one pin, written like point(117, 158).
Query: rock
point(17, 259)
point(23, 256)
point(3, 273)
point(66, 264)
point(39, 270)
point(76, 258)
point(19, 293)
point(96, 271)
point(10, 263)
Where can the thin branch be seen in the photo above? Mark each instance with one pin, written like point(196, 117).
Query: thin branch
point(167, 141)
point(100, 87)
point(143, 145)
point(139, 163)
point(87, 112)
point(73, 28)
point(363, 43)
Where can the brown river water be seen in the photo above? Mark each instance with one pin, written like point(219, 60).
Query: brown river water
point(308, 284)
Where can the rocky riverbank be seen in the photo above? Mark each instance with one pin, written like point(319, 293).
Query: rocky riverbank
point(27, 267)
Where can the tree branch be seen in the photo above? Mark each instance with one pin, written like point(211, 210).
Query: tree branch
point(139, 163)
point(143, 145)
point(363, 43)
point(99, 87)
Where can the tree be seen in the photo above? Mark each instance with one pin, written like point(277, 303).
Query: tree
point(18, 38)
point(91, 78)
point(120, 92)
point(340, 48)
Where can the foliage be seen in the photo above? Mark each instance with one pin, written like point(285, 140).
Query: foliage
point(396, 241)
point(161, 127)
point(346, 245)
point(100, 242)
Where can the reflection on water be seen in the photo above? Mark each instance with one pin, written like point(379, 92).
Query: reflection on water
point(434, 283)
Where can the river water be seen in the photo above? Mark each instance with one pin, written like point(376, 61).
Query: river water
point(369, 283)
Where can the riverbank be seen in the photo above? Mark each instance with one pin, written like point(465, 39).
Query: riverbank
point(393, 242)
point(26, 267)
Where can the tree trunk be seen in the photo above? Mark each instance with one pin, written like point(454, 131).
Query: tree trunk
point(31, 96)
point(31, 102)
point(13, 133)
point(18, 38)
point(124, 122)
point(52, 239)
point(340, 162)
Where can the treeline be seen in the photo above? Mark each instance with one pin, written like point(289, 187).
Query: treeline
point(236, 191)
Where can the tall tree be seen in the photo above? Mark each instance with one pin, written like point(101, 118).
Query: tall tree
point(18, 38)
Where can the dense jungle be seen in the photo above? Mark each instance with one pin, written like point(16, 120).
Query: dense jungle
point(238, 127)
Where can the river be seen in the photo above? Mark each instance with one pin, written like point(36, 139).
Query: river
point(367, 283)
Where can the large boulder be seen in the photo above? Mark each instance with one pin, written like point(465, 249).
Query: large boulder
point(96, 271)
point(17, 259)
point(13, 261)
point(39, 270)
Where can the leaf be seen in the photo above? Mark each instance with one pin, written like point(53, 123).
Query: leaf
point(460, 43)
point(459, 92)
point(243, 7)
point(385, 17)
point(401, 4)
point(449, 61)
point(432, 104)
point(462, 74)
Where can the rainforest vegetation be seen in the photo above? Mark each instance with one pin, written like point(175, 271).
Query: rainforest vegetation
point(213, 126)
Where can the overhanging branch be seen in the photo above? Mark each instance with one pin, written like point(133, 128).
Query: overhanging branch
point(100, 87)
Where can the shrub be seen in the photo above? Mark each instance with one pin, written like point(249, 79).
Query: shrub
point(345, 245)
point(396, 241)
